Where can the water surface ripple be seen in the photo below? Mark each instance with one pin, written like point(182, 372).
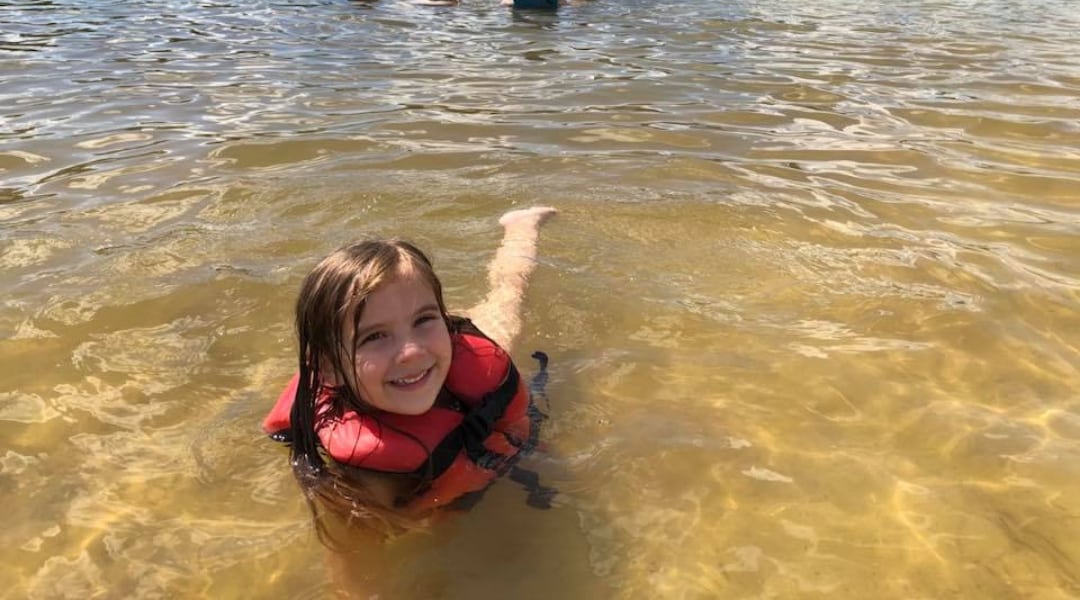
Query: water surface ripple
point(812, 300)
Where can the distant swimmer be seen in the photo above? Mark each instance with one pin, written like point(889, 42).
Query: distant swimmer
point(532, 4)
point(520, 4)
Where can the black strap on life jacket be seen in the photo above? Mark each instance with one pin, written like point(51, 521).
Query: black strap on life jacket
point(477, 425)
point(539, 496)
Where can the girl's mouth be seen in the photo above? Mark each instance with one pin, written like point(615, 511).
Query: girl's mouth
point(412, 380)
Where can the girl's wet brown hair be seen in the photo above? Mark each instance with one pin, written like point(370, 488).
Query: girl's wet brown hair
point(328, 311)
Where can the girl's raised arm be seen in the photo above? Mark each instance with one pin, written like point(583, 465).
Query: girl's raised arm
point(499, 313)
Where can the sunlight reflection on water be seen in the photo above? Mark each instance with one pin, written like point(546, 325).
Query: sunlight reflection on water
point(811, 300)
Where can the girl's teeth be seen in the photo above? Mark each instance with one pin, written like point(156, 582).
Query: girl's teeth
point(408, 380)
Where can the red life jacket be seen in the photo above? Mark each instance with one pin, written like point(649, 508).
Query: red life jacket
point(465, 449)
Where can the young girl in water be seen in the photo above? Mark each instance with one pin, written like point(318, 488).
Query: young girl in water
point(399, 407)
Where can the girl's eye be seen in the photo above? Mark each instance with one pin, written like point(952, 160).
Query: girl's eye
point(426, 319)
point(371, 337)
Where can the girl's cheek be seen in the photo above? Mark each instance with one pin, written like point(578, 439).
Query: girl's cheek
point(438, 334)
point(365, 367)
point(433, 336)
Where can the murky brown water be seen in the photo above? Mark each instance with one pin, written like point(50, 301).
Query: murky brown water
point(813, 301)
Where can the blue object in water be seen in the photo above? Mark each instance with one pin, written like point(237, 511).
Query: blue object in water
point(544, 4)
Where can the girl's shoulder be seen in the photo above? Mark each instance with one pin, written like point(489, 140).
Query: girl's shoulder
point(478, 365)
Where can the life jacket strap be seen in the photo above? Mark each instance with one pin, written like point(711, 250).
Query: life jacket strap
point(539, 496)
point(476, 427)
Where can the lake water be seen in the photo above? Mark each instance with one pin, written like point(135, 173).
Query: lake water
point(812, 300)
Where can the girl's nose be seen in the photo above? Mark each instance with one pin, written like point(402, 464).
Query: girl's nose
point(409, 350)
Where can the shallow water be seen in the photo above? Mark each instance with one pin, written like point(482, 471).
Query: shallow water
point(811, 301)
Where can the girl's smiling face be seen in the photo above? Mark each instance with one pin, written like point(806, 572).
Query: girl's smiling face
point(403, 347)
